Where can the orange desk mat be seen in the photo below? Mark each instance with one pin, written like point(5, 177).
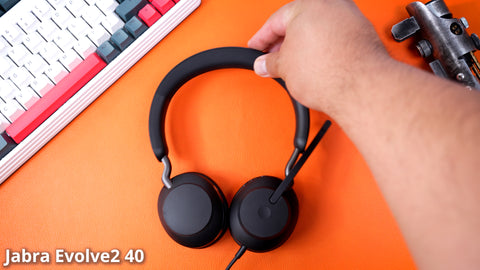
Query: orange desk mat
point(95, 185)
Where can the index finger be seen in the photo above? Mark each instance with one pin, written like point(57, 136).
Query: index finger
point(273, 30)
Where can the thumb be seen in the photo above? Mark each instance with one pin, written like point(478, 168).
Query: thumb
point(267, 65)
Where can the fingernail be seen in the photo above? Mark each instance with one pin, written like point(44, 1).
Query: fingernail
point(260, 66)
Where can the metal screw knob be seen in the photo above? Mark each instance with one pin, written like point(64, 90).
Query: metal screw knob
point(424, 48)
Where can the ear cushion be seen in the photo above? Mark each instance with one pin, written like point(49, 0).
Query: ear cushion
point(194, 211)
point(258, 224)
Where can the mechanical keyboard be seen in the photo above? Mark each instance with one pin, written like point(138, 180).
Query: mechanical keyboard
point(58, 56)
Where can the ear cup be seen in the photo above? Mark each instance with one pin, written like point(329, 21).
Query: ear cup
point(257, 223)
point(194, 211)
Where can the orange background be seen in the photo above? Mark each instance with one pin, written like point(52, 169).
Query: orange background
point(95, 185)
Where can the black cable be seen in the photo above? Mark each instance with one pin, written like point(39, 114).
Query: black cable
point(287, 183)
point(239, 254)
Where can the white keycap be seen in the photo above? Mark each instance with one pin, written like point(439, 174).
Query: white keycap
point(21, 77)
point(4, 123)
point(79, 28)
point(56, 72)
point(57, 3)
point(92, 2)
point(50, 52)
point(18, 54)
point(41, 85)
point(61, 17)
point(4, 47)
point(12, 33)
point(6, 67)
point(98, 35)
point(26, 97)
point(107, 6)
point(7, 89)
point(64, 40)
point(85, 47)
point(75, 6)
point(46, 29)
point(33, 42)
point(11, 110)
point(70, 60)
point(27, 22)
point(92, 15)
point(35, 64)
point(42, 10)
point(112, 23)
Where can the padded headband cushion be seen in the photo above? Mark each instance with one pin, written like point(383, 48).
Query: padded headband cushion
point(219, 58)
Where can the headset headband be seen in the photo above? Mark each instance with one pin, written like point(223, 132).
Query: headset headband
point(219, 58)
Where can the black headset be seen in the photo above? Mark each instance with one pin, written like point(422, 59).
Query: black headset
point(191, 207)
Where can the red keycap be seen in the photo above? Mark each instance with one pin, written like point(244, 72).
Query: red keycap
point(149, 15)
point(55, 98)
point(163, 5)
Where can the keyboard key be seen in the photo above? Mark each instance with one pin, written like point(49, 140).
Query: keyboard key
point(64, 40)
point(26, 98)
point(79, 28)
point(3, 47)
point(4, 123)
point(33, 42)
point(135, 27)
point(27, 21)
point(163, 5)
point(11, 110)
point(35, 64)
point(61, 17)
point(6, 67)
point(41, 9)
point(21, 77)
point(8, 4)
point(7, 89)
point(56, 72)
point(57, 3)
point(121, 39)
point(47, 105)
point(70, 59)
point(98, 35)
point(46, 29)
point(112, 23)
point(50, 52)
point(18, 54)
point(92, 15)
point(129, 8)
point(75, 6)
point(107, 52)
point(84, 47)
point(42, 85)
point(107, 6)
point(12, 34)
point(149, 15)
point(6, 145)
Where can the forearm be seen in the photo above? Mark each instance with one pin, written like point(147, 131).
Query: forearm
point(420, 137)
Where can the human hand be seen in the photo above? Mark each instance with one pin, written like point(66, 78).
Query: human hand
point(324, 50)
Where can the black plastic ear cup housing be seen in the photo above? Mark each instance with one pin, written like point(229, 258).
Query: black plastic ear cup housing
point(257, 223)
point(194, 211)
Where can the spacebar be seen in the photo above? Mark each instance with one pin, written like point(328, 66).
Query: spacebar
point(55, 98)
